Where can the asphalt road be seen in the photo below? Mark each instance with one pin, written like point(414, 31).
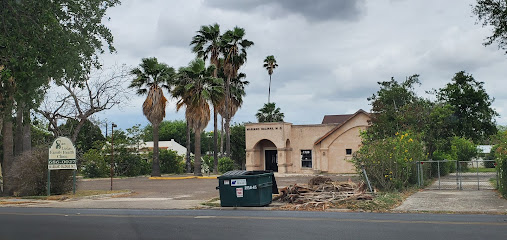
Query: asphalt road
point(47, 223)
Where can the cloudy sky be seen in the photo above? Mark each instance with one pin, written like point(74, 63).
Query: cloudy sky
point(331, 53)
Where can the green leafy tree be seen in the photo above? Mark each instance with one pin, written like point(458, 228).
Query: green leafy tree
point(150, 78)
point(270, 64)
point(397, 108)
point(492, 13)
point(89, 134)
point(474, 116)
point(195, 96)
point(206, 44)
point(233, 48)
point(269, 113)
point(238, 145)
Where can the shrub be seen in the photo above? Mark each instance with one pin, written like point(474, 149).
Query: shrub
point(170, 162)
point(28, 176)
point(225, 164)
point(390, 162)
point(93, 164)
point(207, 164)
point(129, 164)
point(501, 160)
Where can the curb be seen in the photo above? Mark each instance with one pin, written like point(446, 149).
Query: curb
point(179, 178)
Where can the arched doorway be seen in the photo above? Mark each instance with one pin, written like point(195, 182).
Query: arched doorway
point(269, 154)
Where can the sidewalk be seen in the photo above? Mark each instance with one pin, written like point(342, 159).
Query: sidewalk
point(455, 201)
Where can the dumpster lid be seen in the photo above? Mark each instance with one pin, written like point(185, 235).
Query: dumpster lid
point(235, 172)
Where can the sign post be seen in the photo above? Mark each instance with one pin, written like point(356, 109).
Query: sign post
point(62, 155)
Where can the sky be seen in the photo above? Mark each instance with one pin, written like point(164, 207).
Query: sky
point(331, 53)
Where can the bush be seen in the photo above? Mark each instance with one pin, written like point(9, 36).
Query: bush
point(501, 160)
point(93, 164)
point(225, 164)
point(207, 164)
point(390, 162)
point(129, 164)
point(171, 162)
point(28, 176)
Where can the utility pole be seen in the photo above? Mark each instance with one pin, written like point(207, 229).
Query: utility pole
point(112, 153)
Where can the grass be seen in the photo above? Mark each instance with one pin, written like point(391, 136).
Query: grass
point(212, 202)
point(382, 202)
point(481, 170)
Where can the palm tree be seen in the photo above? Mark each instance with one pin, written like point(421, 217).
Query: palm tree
point(269, 113)
point(207, 44)
point(270, 65)
point(234, 51)
point(195, 96)
point(150, 77)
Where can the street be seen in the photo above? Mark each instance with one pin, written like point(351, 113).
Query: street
point(51, 223)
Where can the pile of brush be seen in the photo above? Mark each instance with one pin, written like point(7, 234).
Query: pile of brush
point(321, 193)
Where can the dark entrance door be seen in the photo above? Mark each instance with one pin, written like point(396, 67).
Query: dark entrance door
point(271, 160)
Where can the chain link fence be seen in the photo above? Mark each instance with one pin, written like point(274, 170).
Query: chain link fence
point(458, 175)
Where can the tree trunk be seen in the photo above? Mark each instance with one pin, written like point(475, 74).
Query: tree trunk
point(78, 129)
point(18, 136)
point(215, 141)
point(227, 117)
point(8, 149)
point(222, 139)
point(155, 167)
point(269, 88)
point(197, 153)
point(188, 162)
point(27, 132)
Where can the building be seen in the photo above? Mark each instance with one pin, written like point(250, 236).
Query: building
point(144, 147)
point(287, 148)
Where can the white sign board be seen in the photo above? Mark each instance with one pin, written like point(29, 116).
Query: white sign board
point(239, 192)
point(238, 182)
point(62, 155)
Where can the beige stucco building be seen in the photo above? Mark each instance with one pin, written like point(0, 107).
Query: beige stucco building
point(289, 148)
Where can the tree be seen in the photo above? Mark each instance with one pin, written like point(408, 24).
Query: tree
point(269, 113)
point(238, 145)
point(207, 44)
point(195, 96)
point(397, 108)
point(43, 40)
point(88, 134)
point(492, 13)
point(154, 76)
point(471, 105)
point(270, 65)
point(234, 51)
point(100, 91)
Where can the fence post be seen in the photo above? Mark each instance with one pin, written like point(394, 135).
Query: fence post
point(478, 180)
point(460, 176)
point(418, 174)
point(438, 169)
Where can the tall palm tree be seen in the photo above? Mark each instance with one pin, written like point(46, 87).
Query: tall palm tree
point(234, 50)
point(270, 65)
point(150, 77)
point(195, 96)
point(269, 113)
point(206, 44)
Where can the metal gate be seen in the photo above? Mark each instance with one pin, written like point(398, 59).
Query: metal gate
point(458, 175)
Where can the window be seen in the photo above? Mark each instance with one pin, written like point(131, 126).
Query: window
point(306, 158)
point(348, 151)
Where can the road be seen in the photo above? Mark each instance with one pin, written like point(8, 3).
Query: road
point(48, 223)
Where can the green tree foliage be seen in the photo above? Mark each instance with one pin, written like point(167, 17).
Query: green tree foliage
point(94, 165)
point(225, 164)
point(171, 162)
point(87, 136)
point(270, 65)
point(492, 13)
point(471, 105)
point(397, 108)
point(269, 113)
point(499, 153)
point(238, 145)
point(390, 162)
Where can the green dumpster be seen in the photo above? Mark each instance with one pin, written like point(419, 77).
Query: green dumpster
point(241, 188)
